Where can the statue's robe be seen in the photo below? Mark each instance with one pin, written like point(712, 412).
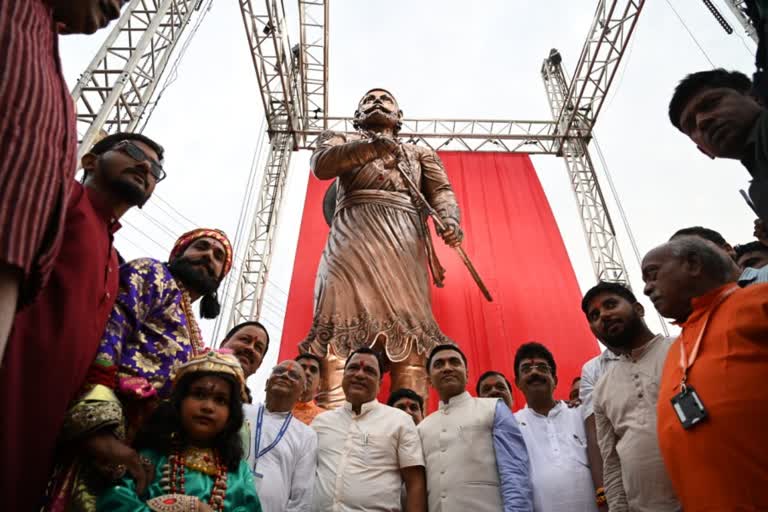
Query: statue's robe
point(372, 282)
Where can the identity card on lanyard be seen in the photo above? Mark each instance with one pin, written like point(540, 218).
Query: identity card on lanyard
point(258, 453)
point(688, 406)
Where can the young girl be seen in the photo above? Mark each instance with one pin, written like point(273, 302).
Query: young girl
point(193, 440)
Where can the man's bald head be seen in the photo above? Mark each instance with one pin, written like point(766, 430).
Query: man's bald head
point(286, 383)
point(684, 268)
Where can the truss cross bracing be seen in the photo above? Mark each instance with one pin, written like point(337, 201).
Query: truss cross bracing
point(113, 94)
point(114, 91)
point(739, 10)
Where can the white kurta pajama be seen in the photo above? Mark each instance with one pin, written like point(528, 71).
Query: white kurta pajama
point(557, 449)
point(284, 475)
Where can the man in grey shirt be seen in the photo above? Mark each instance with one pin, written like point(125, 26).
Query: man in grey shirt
point(624, 402)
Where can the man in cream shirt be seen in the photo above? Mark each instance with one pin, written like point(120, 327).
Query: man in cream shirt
point(367, 450)
point(475, 454)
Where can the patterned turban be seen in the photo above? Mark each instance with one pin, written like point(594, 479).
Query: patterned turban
point(187, 238)
point(214, 361)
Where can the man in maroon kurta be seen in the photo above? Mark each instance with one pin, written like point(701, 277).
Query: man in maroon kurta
point(54, 340)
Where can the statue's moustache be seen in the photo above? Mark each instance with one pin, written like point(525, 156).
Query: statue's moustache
point(380, 108)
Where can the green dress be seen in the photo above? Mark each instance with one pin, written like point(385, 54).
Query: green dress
point(241, 490)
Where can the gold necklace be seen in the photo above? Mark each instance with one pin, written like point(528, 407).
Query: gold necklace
point(195, 336)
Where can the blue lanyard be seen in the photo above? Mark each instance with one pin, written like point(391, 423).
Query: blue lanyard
point(280, 434)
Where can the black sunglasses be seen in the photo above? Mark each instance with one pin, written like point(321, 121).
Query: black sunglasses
point(135, 152)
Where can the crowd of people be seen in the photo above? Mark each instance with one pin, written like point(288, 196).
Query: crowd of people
point(113, 401)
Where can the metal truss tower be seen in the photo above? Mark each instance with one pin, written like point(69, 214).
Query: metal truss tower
point(739, 10)
point(114, 91)
point(279, 70)
point(575, 105)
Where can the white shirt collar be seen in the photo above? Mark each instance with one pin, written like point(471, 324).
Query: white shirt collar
point(456, 400)
point(364, 409)
point(557, 409)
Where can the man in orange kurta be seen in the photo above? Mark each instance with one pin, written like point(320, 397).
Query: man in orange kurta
point(720, 463)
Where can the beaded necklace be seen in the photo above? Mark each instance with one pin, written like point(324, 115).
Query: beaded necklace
point(173, 479)
point(195, 336)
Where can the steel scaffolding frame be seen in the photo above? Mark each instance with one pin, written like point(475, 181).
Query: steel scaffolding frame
point(116, 88)
point(313, 23)
point(599, 232)
point(739, 10)
point(114, 91)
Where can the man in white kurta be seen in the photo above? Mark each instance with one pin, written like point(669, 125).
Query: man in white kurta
point(367, 450)
point(475, 455)
point(554, 436)
point(282, 450)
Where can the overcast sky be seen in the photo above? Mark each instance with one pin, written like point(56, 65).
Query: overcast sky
point(450, 59)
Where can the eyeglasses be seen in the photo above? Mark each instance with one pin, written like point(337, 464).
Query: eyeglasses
point(540, 367)
point(135, 152)
point(280, 371)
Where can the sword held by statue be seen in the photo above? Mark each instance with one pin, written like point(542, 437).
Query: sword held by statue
point(402, 159)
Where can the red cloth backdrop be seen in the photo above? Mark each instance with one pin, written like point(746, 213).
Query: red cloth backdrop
point(514, 242)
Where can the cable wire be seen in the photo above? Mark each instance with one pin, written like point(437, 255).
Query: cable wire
point(685, 26)
point(623, 215)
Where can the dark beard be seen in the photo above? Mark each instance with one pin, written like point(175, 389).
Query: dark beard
point(124, 188)
point(193, 276)
point(129, 192)
point(625, 337)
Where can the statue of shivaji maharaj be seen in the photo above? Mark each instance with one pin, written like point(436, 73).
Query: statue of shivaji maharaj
point(372, 287)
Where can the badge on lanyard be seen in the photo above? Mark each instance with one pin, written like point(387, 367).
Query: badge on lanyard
point(257, 476)
point(688, 406)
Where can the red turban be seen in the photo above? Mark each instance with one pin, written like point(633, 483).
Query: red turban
point(187, 238)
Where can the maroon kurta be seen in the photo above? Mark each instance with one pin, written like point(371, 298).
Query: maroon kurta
point(38, 142)
point(52, 345)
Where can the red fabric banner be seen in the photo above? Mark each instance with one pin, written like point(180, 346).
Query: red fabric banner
point(514, 242)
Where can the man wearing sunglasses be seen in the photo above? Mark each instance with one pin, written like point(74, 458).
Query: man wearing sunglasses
point(554, 437)
point(282, 450)
point(57, 335)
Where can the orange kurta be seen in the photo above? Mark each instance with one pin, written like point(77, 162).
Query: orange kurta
point(305, 412)
point(721, 463)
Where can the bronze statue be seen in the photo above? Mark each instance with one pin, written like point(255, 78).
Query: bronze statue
point(372, 287)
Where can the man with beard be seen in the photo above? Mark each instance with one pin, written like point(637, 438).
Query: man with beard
point(475, 454)
point(38, 143)
point(493, 384)
point(366, 451)
point(151, 330)
point(57, 335)
point(554, 437)
point(283, 452)
point(625, 402)
point(249, 341)
point(306, 408)
point(372, 286)
point(713, 405)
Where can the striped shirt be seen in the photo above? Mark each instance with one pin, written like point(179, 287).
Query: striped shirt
point(38, 141)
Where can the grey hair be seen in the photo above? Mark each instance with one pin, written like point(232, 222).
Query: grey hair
point(714, 261)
